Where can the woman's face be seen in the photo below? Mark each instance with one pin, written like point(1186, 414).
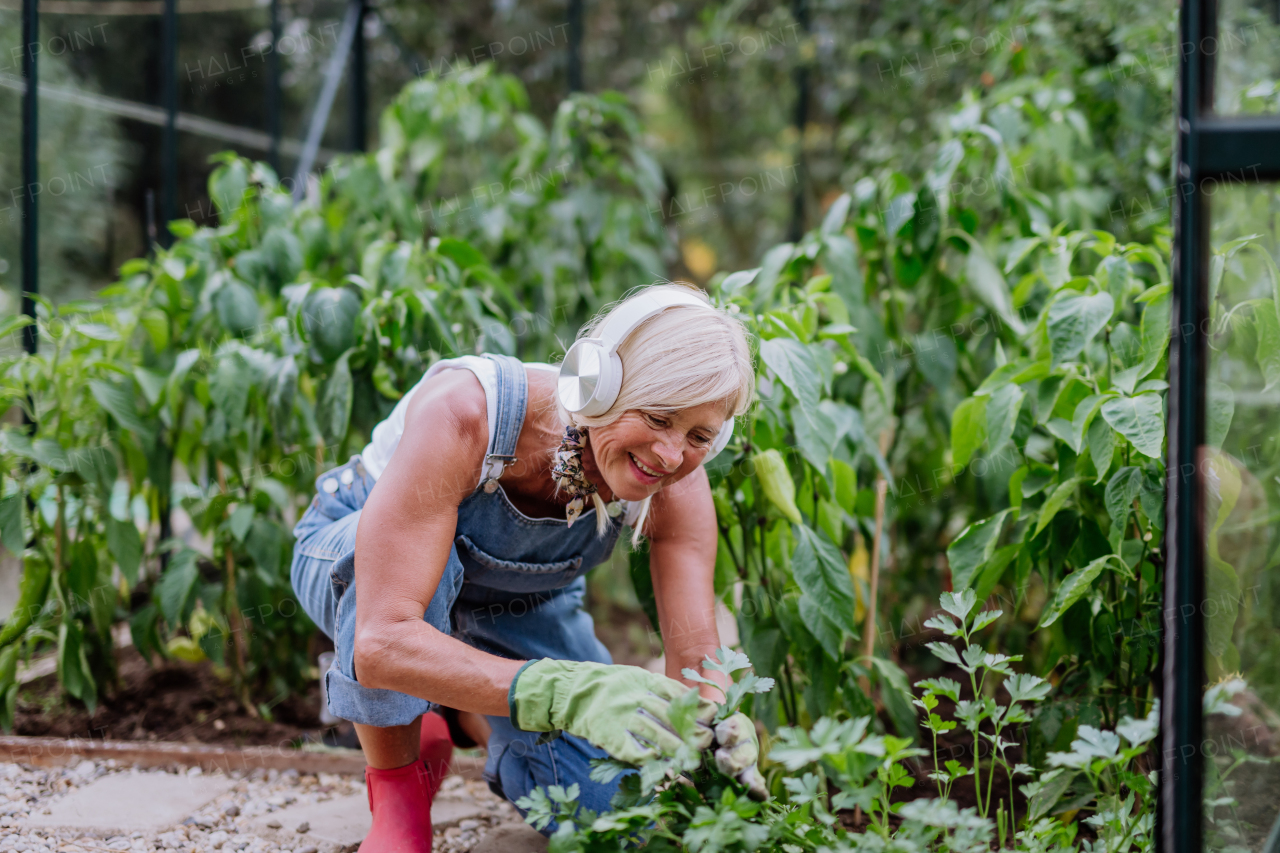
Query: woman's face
point(643, 451)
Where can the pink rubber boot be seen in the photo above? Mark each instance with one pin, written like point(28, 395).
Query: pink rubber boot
point(400, 800)
point(436, 750)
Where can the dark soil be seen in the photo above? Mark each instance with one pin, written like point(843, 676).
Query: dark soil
point(172, 701)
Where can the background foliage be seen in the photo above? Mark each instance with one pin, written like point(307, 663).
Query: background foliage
point(957, 278)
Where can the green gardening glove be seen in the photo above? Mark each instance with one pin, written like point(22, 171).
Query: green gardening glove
point(737, 751)
point(621, 709)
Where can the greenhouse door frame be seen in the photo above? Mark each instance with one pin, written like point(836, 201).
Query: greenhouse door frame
point(1211, 150)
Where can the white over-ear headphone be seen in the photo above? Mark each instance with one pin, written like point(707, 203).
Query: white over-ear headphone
point(591, 373)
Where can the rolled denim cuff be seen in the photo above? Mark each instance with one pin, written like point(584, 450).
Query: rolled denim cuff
point(371, 706)
point(511, 695)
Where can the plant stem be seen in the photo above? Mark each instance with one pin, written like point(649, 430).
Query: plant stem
point(233, 611)
point(936, 772)
point(882, 487)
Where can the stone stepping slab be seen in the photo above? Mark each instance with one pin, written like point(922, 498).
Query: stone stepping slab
point(345, 821)
point(124, 803)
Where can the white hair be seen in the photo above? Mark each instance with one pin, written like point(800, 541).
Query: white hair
point(683, 356)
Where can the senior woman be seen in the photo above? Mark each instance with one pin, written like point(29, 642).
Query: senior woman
point(445, 563)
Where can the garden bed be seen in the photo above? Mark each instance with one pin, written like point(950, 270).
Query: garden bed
point(174, 701)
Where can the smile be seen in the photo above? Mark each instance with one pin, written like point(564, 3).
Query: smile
point(645, 468)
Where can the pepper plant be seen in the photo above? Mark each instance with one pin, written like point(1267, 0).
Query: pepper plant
point(214, 381)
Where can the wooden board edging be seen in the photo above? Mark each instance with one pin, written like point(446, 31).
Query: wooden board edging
point(56, 752)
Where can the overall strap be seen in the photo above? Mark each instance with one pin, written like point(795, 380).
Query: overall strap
point(511, 397)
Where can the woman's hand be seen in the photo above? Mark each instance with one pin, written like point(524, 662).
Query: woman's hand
point(621, 709)
point(738, 753)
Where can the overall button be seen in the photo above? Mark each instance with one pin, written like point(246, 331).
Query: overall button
point(330, 485)
point(347, 476)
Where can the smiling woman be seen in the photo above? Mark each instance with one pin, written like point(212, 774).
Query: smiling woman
point(455, 526)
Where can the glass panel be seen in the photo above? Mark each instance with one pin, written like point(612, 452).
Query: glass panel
point(10, 172)
point(1241, 467)
point(1247, 70)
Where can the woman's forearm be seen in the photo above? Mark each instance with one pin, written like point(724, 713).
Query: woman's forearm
point(413, 657)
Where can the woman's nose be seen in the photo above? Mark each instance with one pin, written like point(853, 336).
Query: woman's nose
point(669, 452)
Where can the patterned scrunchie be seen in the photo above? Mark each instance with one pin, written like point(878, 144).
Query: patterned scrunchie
point(568, 471)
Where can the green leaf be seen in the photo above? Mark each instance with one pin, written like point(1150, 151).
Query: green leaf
point(816, 435)
point(736, 281)
point(227, 186)
point(1221, 401)
point(1071, 589)
point(1102, 446)
point(1222, 588)
point(989, 286)
point(973, 547)
point(282, 391)
point(824, 629)
point(240, 520)
point(642, 581)
point(895, 690)
point(1026, 688)
point(994, 569)
point(176, 589)
point(1139, 419)
point(125, 545)
point(1047, 792)
point(1114, 274)
point(96, 465)
point(821, 574)
point(1073, 322)
point(1056, 501)
point(461, 252)
point(958, 604)
point(792, 361)
point(73, 666)
point(770, 268)
point(330, 316)
point(229, 387)
point(237, 307)
point(265, 544)
point(151, 383)
point(968, 429)
point(119, 402)
point(944, 651)
point(1268, 352)
point(833, 222)
point(1002, 415)
point(1082, 417)
point(11, 524)
point(333, 412)
point(1122, 488)
point(840, 257)
point(682, 712)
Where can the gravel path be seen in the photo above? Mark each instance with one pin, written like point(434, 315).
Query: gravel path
point(226, 824)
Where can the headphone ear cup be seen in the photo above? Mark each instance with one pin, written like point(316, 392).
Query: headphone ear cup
point(608, 384)
point(722, 441)
point(588, 365)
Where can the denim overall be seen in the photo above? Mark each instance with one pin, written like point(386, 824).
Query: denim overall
point(513, 587)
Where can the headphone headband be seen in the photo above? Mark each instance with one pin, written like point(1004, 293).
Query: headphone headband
point(635, 311)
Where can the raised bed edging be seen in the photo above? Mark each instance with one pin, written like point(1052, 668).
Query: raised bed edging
point(55, 752)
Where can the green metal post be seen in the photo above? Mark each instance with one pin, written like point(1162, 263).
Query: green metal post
point(30, 170)
point(169, 137)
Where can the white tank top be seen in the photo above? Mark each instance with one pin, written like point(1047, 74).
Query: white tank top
point(386, 435)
